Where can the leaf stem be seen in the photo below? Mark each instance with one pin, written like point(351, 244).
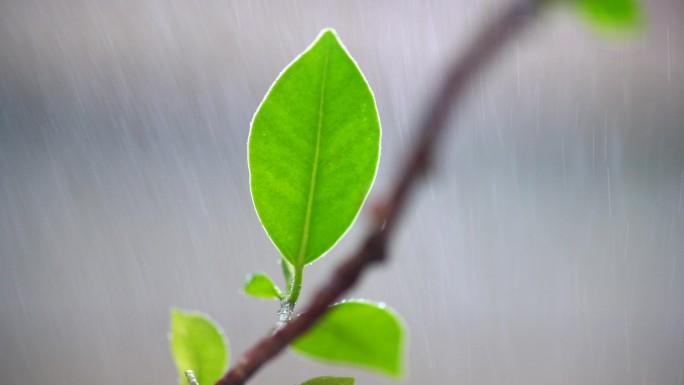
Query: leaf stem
point(190, 375)
point(288, 272)
point(296, 288)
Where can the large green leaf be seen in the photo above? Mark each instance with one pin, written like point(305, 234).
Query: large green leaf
point(197, 344)
point(327, 380)
point(260, 285)
point(359, 333)
point(314, 147)
point(611, 14)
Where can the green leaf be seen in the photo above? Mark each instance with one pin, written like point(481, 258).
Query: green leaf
point(327, 380)
point(611, 14)
point(260, 285)
point(198, 344)
point(359, 333)
point(314, 148)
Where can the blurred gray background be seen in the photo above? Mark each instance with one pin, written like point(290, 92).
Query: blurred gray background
point(546, 248)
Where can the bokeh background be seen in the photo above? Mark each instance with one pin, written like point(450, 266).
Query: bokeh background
point(547, 247)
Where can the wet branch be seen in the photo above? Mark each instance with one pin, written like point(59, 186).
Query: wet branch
point(491, 40)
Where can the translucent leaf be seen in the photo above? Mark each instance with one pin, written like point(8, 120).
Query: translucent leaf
point(198, 344)
point(314, 147)
point(359, 333)
point(260, 285)
point(327, 380)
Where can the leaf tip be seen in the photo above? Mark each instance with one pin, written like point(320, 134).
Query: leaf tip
point(328, 35)
point(328, 32)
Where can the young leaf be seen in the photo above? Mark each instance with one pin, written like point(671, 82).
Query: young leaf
point(326, 380)
point(358, 333)
point(314, 147)
point(611, 14)
point(197, 344)
point(260, 285)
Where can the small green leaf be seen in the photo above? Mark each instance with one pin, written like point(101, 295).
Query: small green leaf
point(611, 14)
point(327, 380)
point(198, 344)
point(359, 333)
point(260, 285)
point(314, 147)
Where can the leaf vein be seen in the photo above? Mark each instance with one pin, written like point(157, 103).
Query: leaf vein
point(314, 170)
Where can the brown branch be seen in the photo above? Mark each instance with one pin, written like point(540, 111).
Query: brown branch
point(491, 40)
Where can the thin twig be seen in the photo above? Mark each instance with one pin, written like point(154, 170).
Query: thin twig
point(491, 40)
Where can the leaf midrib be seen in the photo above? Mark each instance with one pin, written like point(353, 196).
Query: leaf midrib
point(314, 169)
